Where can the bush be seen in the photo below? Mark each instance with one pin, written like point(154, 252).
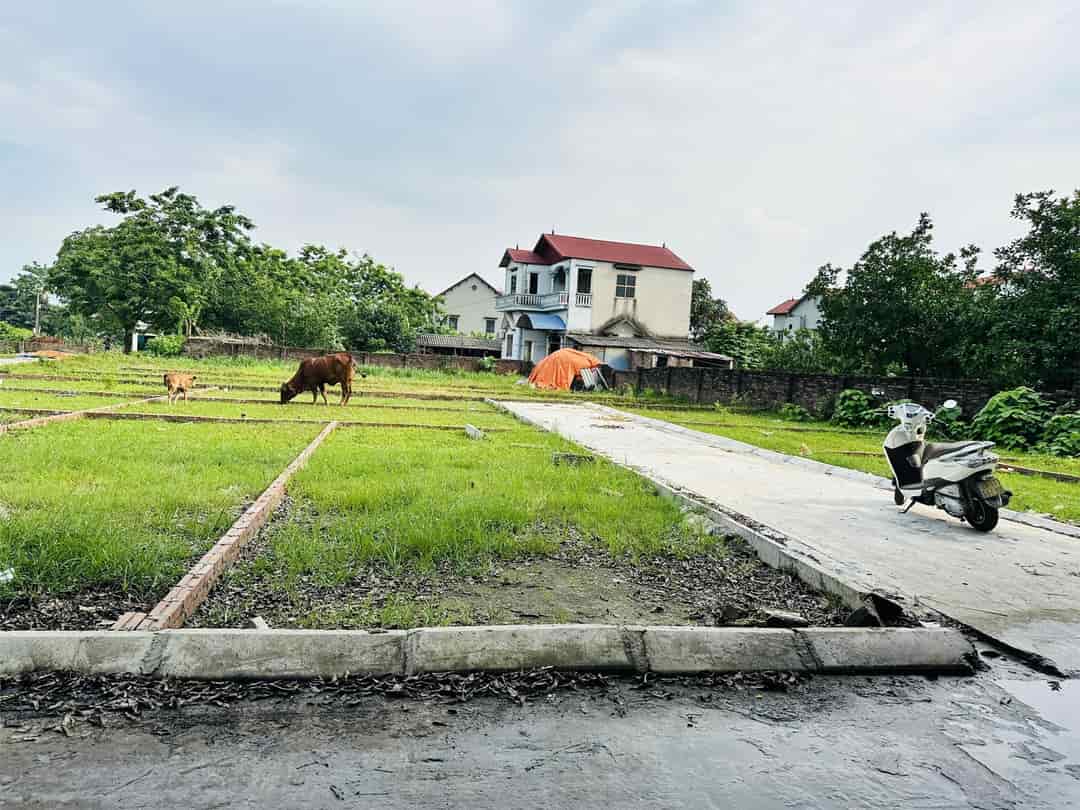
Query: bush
point(166, 345)
point(856, 409)
point(1061, 436)
point(1012, 418)
point(794, 413)
point(948, 425)
point(13, 334)
point(486, 363)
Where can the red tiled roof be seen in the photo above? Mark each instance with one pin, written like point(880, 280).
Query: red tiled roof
point(522, 257)
point(785, 307)
point(551, 248)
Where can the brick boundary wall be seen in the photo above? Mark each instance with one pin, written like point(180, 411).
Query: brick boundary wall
point(771, 389)
point(191, 591)
point(209, 347)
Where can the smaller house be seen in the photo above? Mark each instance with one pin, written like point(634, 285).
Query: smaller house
point(795, 314)
point(470, 306)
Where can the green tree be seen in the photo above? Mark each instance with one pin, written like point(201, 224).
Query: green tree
point(1035, 312)
point(901, 307)
point(801, 351)
point(705, 311)
point(162, 263)
point(746, 342)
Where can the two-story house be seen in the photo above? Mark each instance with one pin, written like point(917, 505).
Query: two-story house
point(795, 314)
point(613, 298)
point(469, 305)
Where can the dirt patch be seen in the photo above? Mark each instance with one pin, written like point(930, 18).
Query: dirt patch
point(579, 582)
point(89, 609)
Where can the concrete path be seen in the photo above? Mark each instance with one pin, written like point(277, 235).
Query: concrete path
point(1019, 584)
point(879, 743)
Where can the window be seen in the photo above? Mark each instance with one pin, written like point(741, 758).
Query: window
point(625, 285)
point(513, 283)
point(534, 283)
point(554, 342)
point(584, 280)
point(489, 326)
point(452, 321)
point(527, 357)
point(509, 345)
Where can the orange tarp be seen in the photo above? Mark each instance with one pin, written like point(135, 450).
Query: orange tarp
point(559, 369)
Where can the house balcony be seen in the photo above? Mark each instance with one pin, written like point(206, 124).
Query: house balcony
point(533, 301)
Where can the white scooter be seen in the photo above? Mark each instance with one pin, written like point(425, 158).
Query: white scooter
point(954, 476)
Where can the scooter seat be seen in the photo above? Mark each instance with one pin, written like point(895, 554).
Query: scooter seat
point(935, 449)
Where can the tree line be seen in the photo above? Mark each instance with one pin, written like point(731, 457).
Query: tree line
point(905, 309)
point(182, 268)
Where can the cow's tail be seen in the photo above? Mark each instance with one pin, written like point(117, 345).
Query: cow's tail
point(165, 378)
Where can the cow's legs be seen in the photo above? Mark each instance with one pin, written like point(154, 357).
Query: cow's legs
point(314, 395)
point(346, 392)
point(185, 395)
point(322, 390)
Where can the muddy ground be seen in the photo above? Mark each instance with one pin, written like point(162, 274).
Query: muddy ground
point(579, 582)
point(87, 609)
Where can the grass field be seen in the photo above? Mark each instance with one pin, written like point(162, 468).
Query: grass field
point(126, 504)
point(826, 443)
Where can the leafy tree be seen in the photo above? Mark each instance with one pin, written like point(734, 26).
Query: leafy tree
point(161, 263)
point(746, 342)
point(801, 351)
point(705, 311)
point(1037, 306)
point(901, 306)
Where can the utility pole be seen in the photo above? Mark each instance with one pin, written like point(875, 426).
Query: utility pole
point(37, 312)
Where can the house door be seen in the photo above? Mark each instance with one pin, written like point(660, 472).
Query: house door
point(509, 345)
point(534, 283)
point(527, 355)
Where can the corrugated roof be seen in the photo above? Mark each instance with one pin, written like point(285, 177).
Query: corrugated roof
point(457, 342)
point(672, 346)
point(552, 248)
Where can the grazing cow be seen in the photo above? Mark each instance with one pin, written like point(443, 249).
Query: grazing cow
point(177, 384)
point(317, 373)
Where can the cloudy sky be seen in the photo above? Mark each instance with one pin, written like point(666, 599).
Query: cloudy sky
point(758, 139)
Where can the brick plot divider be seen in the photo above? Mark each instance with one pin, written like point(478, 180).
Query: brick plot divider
point(71, 416)
point(191, 591)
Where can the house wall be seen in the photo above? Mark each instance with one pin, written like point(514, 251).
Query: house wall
point(661, 302)
point(793, 321)
point(472, 302)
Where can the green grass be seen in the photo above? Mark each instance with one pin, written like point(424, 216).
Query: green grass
point(11, 398)
point(127, 504)
point(482, 415)
point(406, 499)
point(827, 444)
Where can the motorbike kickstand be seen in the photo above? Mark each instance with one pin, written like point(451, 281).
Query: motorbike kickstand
point(907, 508)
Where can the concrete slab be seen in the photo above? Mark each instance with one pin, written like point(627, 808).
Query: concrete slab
point(1019, 584)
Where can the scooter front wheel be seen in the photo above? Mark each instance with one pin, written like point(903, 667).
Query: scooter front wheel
point(980, 516)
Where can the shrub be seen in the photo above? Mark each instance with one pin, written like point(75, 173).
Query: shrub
point(166, 345)
point(1061, 436)
point(794, 413)
point(1012, 418)
point(486, 363)
point(13, 334)
point(856, 409)
point(948, 425)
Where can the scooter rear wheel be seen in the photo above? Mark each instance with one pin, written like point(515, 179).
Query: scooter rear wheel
point(980, 516)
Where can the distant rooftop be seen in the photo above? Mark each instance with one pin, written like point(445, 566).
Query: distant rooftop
point(552, 248)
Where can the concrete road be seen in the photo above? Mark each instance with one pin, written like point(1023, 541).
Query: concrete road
point(1019, 584)
point(830, 743)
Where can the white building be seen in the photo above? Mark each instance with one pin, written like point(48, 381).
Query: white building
point(470, 306)
point(795, 314)
point(568, 288)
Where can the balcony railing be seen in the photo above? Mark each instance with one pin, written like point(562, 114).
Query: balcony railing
point(557, 300)
point(583, 299)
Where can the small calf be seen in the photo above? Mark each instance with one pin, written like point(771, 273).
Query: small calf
point(178, 384)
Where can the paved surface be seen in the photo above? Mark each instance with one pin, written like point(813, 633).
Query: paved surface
point(1019, 584)
point(10, 361)
point(831, 743)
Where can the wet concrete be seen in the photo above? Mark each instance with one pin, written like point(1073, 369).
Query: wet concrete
point(1018, 584)
point(829, 743)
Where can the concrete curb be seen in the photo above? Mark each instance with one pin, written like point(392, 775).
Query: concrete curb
point(267, 654)
point(188, 594)
point(734, 446)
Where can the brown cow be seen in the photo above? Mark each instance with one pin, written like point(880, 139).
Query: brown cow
point(177, 384)
point(317, 373)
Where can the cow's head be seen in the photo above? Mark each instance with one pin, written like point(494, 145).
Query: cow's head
point(287, 392)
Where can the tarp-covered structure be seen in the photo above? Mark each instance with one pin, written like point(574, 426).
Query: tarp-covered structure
point(559, 369)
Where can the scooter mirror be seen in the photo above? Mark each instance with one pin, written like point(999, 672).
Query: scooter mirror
point(949, 404)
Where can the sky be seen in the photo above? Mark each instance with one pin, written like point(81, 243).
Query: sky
point(758, 140)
